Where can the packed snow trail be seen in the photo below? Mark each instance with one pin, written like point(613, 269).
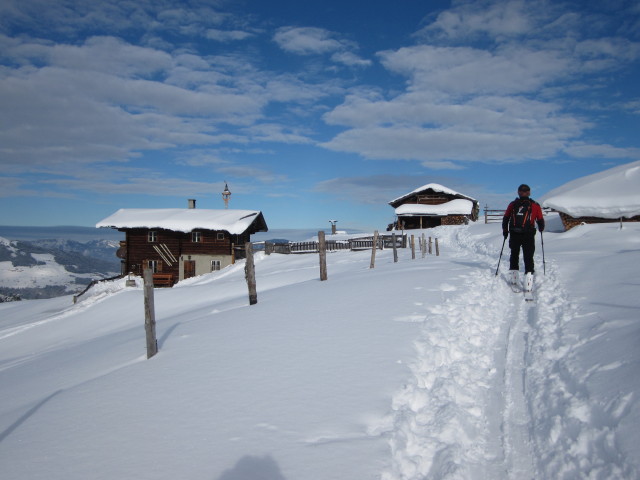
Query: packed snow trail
point(489, 394)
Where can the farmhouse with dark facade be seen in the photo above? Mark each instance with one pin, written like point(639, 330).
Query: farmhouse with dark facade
point(181, 243)
point(433, 205)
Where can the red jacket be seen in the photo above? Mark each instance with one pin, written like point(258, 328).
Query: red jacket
point(535, 217)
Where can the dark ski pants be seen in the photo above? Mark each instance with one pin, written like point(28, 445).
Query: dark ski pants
point(526, 241)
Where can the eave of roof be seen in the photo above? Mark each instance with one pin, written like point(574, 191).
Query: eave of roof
point(186, 220)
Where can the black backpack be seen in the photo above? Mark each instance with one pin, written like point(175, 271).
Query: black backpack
point(520, 221)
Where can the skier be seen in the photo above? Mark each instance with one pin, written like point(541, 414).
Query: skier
point(519, 220)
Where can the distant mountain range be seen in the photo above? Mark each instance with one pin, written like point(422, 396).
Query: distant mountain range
point(45, 262)
point(46, 268)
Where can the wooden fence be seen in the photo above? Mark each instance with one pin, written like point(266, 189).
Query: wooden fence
point(360, 243)
point(492, 215)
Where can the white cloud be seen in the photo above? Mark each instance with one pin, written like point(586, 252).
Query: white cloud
point(585, 150)
point(317, 41)
point(496, 20)
point(466, 70)
point(505, 98)
point(227, 35)
point(350, 59)
point(306, 40)
point(436, 145)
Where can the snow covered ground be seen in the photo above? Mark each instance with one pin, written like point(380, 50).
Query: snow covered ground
point(426, 368)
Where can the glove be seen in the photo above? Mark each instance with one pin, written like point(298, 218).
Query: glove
point(505, 233)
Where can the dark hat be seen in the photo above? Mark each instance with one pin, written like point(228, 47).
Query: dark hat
point(524, 188)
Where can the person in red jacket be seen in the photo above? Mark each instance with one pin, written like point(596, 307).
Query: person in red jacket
point(519, 222)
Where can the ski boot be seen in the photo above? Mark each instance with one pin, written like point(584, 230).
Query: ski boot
point(528, 282)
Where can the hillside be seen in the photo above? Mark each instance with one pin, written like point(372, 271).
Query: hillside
point(425, 368)
point(48, 268)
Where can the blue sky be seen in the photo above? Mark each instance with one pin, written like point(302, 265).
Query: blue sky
point(310, 111)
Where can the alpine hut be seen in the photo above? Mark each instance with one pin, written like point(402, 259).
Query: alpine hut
point(608, 196)
point(433, 205)
point(181, 243)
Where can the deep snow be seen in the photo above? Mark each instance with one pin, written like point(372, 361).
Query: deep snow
point(425, 368)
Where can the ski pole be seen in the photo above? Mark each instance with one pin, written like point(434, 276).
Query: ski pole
point(501, 250)
point(544, 264)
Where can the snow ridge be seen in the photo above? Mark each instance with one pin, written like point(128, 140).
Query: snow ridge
point(493, 391)
point(440, 430)
point(574, 437)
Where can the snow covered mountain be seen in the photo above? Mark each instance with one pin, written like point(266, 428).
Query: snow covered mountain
point(425, 368)
point(47, 268)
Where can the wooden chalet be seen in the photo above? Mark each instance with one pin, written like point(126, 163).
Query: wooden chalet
point(605, 197)
point(181, 243)
point(433, 205)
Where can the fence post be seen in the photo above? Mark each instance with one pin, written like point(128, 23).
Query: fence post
point(429, 245)
point(149, 313)
point(395, 248)
point(437, 248)
point(373, 249)
point(250, 274)
point(423, 246)
point(322, 248)
point(413, 247)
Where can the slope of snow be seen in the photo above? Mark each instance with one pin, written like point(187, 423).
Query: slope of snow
point(425, 368)
point(614, 193)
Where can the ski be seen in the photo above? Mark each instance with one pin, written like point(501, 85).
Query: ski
point(528, 296)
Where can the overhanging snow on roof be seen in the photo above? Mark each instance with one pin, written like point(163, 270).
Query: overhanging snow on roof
point(186, 220)
point(610, 194)
point(457, 206)
point(436, 187)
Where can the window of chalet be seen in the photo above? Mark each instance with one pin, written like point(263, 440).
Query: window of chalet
point(196, 237)
point(155, 266)
point(220, 236)
point(215, 265)
point(152, 236)
point(431, 199)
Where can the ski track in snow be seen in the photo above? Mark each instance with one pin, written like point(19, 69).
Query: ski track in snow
point(490, 394)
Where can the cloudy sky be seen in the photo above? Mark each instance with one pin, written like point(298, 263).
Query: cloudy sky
point(310, 110)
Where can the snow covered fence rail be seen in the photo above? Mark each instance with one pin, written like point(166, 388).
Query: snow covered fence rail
point(359, 243)
point(93, 282)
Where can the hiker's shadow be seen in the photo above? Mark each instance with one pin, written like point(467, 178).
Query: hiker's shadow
point(253, 468)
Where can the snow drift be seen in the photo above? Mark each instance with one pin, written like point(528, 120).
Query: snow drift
point(425, 368)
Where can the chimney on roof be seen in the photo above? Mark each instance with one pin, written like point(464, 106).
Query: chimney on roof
point(192, 203)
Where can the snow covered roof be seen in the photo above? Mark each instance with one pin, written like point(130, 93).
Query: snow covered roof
point(458, 206)
point(187, 219)
point(436, 187)
point(614, 193)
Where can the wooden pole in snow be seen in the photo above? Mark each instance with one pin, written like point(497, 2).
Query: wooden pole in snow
point(322, 248)
point(423, 245)
point(250, 274)
point(413, 247)
point(373, 249)
point(149, 313)
point(437, 248)
point(395, 247)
